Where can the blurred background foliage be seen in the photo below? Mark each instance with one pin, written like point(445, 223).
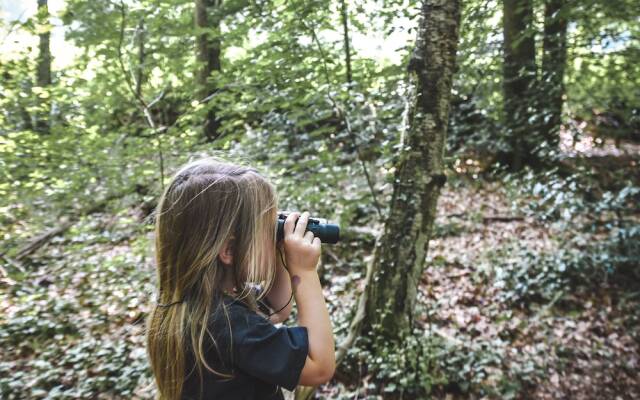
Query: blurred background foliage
point(93, 124)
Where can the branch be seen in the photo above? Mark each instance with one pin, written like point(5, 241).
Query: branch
point(66, 222)
point(15, 263)
point(488, 219)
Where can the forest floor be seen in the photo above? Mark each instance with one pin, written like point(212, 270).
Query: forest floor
point(71, 317)
point(579, 345)
point(502, 340)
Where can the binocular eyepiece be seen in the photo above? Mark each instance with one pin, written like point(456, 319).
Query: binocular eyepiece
point(327, 233)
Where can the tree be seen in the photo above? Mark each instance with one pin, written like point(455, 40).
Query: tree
point(399, 257)
point(554, 60)
point(533, 101)
point(208, 56)
point(519, 80)
point(139, 38)
point(43, 71)
point(344, 13)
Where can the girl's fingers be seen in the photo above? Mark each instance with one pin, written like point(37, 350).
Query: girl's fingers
point(289, 222)
point(308, 237)
point(301, 225)
point(316, 242)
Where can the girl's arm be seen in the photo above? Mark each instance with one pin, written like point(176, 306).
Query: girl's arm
point(303, 254)
point(280, 293)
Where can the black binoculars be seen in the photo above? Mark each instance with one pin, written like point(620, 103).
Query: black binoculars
point(327, 233)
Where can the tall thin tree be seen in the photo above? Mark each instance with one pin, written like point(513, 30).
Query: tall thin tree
point(140, 43)
point(43, 69)
point(554, 62)
point(519, 81)
point(208, 55)
point(345, 33)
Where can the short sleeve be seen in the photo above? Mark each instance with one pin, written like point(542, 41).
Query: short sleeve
point(274, 355)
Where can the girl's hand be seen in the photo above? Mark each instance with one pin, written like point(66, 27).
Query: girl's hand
point(302, 251)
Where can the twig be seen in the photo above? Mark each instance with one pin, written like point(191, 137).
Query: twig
point(13, 26)
point(13, 263)
point(547, 307)
point(492, 218)
point(333, 255)
point(343, 115)
point(497, 218)
point(356, 322)
point(42, 239)
point(448, 337)
point(66, 222)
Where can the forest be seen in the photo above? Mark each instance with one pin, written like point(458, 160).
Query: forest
point(480, 156)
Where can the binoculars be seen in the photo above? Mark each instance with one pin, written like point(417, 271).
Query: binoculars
point(327, 233)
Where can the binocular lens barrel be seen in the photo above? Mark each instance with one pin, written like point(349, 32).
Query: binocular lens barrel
point(327, 233)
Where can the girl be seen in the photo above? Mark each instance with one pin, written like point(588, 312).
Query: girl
point(215, 240)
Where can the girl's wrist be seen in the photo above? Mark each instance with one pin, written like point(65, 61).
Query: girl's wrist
point(302, 281)
point(303, 273)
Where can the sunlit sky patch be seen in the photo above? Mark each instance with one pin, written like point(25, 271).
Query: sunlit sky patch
point(16, 40)
point(373, 45)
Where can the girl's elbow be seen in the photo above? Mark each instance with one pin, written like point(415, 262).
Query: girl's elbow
point(315, 374)
point(327, 373)
point(318, 380)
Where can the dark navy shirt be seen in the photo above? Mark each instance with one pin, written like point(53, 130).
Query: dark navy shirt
point(262, 357)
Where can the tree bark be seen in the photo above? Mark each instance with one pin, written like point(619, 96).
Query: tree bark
point(399, 255)
point(141, 58)
point(554, 61)
point(43, 71)
point(345, 30)
point(208, 56)
point(519, 81)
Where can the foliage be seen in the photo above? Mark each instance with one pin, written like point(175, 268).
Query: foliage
point(55, 334)
point(603, 74)
point(597, 240)
point(71, 313)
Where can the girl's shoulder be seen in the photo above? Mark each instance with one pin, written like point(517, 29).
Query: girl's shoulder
point(230, 300)
point(236, 311)
point(237, 304)
point(235, 321)
point(262, 350)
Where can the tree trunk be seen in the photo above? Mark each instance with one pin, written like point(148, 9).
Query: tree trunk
point(141, 58)
point(399, 255)
point(345, 29)
point(519, 81)
point(208, 56)
point(43, 71)
point(553, 65)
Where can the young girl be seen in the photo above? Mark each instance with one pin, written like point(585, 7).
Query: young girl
point(216, 246)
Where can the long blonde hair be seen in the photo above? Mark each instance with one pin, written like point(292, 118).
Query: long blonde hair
point(207, 202)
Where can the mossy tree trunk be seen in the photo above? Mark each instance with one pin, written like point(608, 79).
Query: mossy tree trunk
point(400, 252)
